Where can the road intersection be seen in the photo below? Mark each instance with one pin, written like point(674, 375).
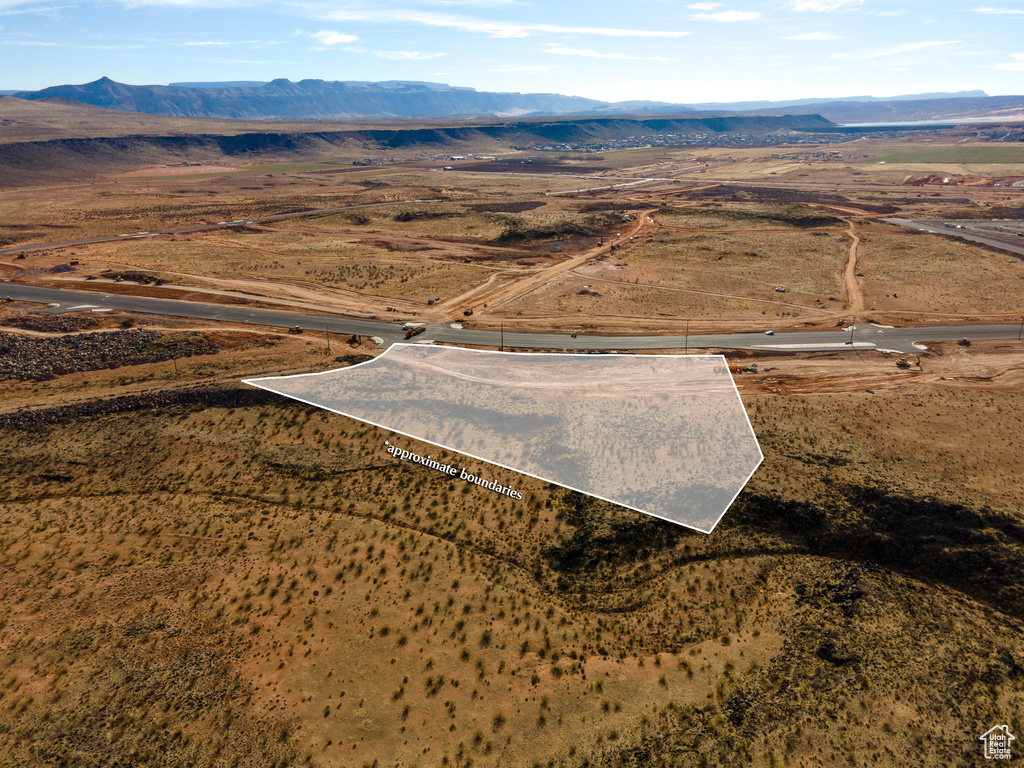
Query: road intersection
point(862, 336)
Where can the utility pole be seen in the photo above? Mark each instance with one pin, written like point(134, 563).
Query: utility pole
point(501, 347)
point(1021, 330)
point(328, 338)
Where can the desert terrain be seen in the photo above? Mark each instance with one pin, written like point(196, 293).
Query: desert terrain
point(198, 572)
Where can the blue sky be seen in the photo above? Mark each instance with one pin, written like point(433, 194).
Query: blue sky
point(667, 50)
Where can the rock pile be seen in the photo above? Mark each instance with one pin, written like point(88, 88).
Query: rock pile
point(132, 275)
point(50, 323)
point(39, 359)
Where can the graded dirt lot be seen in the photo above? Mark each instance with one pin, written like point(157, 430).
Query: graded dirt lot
point(935, 276)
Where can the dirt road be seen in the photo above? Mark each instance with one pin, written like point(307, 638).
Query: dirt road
point(854, 296)
point(476, 299)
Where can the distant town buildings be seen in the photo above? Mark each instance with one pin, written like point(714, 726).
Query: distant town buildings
point(705, 139)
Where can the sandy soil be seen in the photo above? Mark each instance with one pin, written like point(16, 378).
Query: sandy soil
point(164, 170)
point(365, 263)
point(985, 365)
point(256, 582)
point(264, 566)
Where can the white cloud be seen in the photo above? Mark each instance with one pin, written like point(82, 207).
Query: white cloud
point(729, 16)
point(328, 37)
point(221, 42)
point(821, 6)
point(407, 55)
point(201, 4)
point(814, 36)
point(50, 10)
point(1000, 11)
point(504, 29)
point(76, 46)
point(1013, 66)
point(255, 61)
point(535, 68)
point(560, 51)
point(906, 48)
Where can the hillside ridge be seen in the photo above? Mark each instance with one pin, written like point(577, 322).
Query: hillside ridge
point(314, 99)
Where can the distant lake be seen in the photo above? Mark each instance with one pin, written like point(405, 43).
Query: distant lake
point(954, 121)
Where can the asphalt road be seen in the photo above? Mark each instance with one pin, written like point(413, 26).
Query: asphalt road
point(198, 227)
point(865, 337)
point(972, 230)
point(82, 301)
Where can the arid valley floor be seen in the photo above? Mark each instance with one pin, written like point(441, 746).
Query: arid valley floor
point(199, 573)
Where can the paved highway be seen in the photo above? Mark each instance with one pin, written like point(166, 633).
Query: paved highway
point(971, 230)
point(81, 301)
point(199, 227)
point(865, 337)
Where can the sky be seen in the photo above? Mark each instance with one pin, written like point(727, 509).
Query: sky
point(663, 50)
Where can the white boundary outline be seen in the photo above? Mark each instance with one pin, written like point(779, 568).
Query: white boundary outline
point(256, 383)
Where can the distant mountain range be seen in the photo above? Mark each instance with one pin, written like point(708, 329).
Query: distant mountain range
point(745, 106)
point(353, 83)
point(323, 100)
point(314, 99)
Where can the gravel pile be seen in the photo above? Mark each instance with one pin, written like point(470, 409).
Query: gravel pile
point(51, 323)
point(39, 359)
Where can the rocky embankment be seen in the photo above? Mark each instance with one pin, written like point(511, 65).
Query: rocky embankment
point(28, 358)
point(210, 397)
